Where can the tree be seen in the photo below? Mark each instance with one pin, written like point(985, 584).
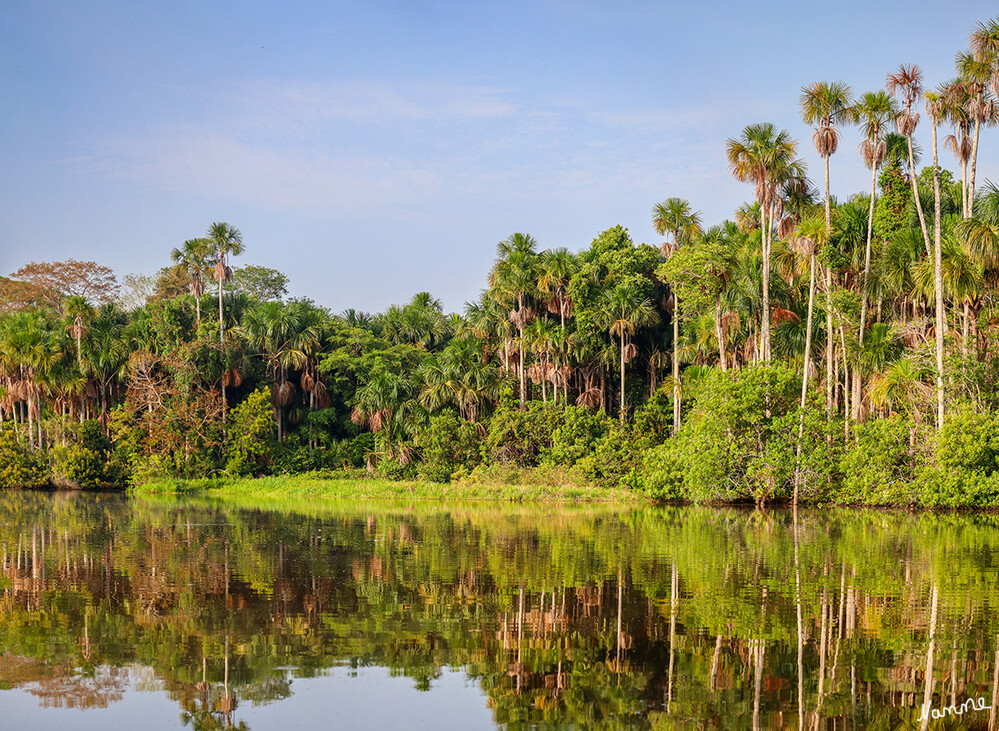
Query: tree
point(764, 157)
point(259, 282)
point(934, 106)
point(874, 111)
point(825, 105)
point(624, 309)
point(907, 82)
point(514, 277)
point(59, 279)
point(675, 217)
point(195, 260)
point(226, 241)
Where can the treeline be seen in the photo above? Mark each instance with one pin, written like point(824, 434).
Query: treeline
point(809, 349)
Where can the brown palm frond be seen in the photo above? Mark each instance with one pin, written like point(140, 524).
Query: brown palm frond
point(322, 396)
point(629, 352)
point(779, 315)
point(232, 378)
point(308, 382)
point(826, 141)
point(590, 397)
point(285, 393)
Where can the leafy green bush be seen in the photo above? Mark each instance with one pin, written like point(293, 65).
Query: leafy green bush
point(878, 469)
point(738, 440)
point(661, 473)
point(19, 468)
point(576, 435)
point(87, 461)
point(519, 437)
point(250, 441)
point(965, 469)
point(446, 444)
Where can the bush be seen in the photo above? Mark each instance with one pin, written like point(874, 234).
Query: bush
point(519, 437)
point(738, 440)
point(447, 444)
point(878, 469)
point(250, 442)
point(576, 436)
point(661, 474)
point(19, 468)
point(965, 469)
point(87, 463)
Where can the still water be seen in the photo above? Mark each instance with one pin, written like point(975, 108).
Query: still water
point(125, 614)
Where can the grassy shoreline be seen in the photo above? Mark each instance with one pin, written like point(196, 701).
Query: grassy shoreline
point(322, 488)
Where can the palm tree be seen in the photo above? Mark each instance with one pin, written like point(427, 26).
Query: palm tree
point(907, 82)
point(226, 241)
point(764, 157)
point(935, 106)
point(195, 259)
point(623, 310)
point(674, 217)
point(875, 110)
point(980, 69)
point(106, 355)
point(284, 339)
point(825, 105)
point(514, 278)
point(460, 377)
point(77, 310)
point(812, 234)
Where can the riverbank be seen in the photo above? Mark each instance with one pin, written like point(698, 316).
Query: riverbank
point(324, 487)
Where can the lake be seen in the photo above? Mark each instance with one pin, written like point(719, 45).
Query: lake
point(120, 613)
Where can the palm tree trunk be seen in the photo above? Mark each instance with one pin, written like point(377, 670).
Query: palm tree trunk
point(915, 198)
point(938, 282)
point(765, 315)
point(867, 256)
point(804, 371)
point(964, 189)
point(520, 330)
point(971, 173)
point(622, 379)
point(829, 323)
point(676, 364)
point(720, 333)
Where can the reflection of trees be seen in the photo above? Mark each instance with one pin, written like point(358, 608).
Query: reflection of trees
point(589, 617)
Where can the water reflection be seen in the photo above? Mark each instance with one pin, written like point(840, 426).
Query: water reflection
point(587, 617)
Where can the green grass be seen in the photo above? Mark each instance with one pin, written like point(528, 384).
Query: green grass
point(318, 487)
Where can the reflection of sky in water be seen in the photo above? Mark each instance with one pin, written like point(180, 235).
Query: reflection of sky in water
point(366, 698)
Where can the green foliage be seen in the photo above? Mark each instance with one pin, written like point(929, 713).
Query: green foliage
point(878, 469)
point(87, 462)
point(250, 435)
point(965, 471)
point(519, 437)
point(576, 436)
point(18, 467)
point(890, 207)
point(737, 442)
point(447, 444)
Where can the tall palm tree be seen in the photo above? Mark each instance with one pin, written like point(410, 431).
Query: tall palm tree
point(226, 241)
point(825, 105)
point(765, 157)
point(875, 110)
point(514, 277)
point(935, 106)
point(907, 82)
point(676, 218)
point(195, 259)
point(622, 311)
point(981, 69)
point(79, 313)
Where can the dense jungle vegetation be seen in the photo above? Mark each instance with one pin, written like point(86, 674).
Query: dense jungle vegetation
point(809, 349)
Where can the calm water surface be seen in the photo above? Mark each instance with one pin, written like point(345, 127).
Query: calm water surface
point(125, 614)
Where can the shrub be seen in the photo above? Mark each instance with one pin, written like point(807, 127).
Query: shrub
point(250, 443)
point(965, 469)
point(447, 444)
point(518, 437)
point(878, 469)
point(575, 436)
point(19, 468)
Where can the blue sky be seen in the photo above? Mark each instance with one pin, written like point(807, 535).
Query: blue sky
point(374, 149)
